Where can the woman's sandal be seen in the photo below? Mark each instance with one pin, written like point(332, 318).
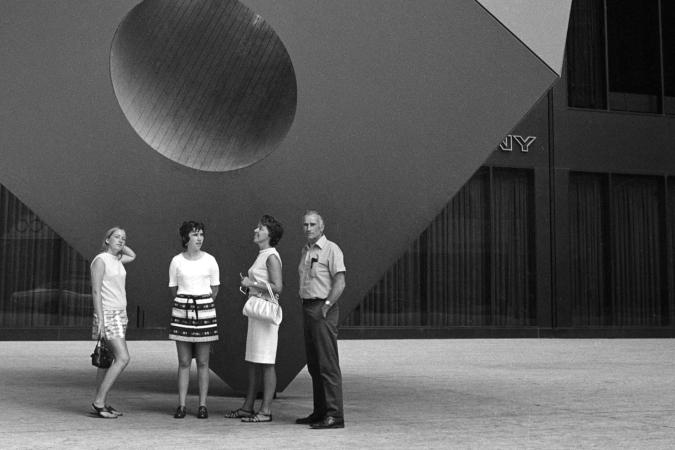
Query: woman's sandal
point(238, 414)
point(103, 413)
point(113, 410)
point(257, 418)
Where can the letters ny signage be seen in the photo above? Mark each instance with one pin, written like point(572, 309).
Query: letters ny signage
point(516, 142)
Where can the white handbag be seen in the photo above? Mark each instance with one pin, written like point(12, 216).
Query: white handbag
point(263, 309)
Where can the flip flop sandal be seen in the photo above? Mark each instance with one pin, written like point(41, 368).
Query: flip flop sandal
point(113, 410)
point(258, 418)
point(103, 413)
point(238, 414)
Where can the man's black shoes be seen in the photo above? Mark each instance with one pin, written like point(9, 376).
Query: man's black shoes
point(312, 418)
point(328, 422)
point(318, 422)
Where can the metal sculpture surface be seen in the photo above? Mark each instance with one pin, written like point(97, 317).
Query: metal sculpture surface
point(398, 103)
point(208, 84)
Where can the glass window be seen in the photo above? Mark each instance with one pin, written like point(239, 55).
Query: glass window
point(473, 266)
point(638, 296)
point(634, 59)
point(668, 33)
point(586, 77)
point(43, 281)
point(621, 55)
point(617, 257)
point(588, 250)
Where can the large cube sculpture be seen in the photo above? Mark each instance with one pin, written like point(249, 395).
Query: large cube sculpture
point(398, 103)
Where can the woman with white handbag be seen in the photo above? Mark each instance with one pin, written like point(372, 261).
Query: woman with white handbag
point(262, 284)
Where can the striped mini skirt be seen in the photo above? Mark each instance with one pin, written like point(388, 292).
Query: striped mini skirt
point(193, 319)
point(115, 324)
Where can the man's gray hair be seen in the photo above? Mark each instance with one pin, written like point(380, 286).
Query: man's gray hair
point(314, 212)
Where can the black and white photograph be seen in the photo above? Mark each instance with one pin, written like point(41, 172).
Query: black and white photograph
point(337, 224)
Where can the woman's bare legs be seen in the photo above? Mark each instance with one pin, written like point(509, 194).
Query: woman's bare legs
point(203, 350)
point(100, 374)
point(269, 376)
point(184, 350)
point(105, 378)
point(269, 388)
point(249, 402)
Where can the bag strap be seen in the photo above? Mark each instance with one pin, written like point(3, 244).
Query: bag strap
point(269, 290)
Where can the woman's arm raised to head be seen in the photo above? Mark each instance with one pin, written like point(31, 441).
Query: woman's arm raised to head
point(127, 255)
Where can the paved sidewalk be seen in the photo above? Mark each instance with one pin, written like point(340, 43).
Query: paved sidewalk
point(507, 393)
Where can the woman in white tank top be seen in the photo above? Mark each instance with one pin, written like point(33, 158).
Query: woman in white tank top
point(108, 279)
point(262, 337)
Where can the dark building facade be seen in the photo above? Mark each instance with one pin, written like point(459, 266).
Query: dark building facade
point(568, 229)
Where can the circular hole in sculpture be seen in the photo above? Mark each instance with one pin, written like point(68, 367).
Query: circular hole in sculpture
point(206, 83)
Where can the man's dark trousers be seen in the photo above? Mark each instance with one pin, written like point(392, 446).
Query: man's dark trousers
point(322, 357)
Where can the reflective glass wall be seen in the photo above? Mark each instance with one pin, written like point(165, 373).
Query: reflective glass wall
point(621, 55)
point(473, 266)
point(618, 257)
point(43, 281)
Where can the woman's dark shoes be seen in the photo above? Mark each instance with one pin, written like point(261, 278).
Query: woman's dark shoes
point(328, 422)
point(181, 411)
point(202, 413)
point(103, 412)
point(312, 418)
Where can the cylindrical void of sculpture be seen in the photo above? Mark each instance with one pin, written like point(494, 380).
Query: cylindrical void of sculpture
point(206, 83)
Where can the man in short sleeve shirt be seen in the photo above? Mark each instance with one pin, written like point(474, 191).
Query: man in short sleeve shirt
point(322, 280)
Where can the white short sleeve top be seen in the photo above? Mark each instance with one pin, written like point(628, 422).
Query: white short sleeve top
point(194, 277)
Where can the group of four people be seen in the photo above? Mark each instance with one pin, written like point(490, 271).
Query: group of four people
point(194, 280)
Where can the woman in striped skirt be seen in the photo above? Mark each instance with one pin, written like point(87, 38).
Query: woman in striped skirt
point(193, 280)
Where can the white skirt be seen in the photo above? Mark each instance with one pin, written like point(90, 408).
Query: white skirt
point(261, 342)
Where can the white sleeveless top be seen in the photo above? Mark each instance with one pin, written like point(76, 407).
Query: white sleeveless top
point(258, 270)
point(113, 293)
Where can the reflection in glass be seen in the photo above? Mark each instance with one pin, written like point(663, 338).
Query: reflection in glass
point(473, 266)
point(586, 77)
point(634, 55)
point(668, 33)
point(617, 257)
point(43, 281)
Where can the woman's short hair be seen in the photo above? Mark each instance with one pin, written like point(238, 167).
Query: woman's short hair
point(187, 227)
point(274, 228)
point(106, 236)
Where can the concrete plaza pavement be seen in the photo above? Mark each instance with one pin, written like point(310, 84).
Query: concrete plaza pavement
point(499, 393)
